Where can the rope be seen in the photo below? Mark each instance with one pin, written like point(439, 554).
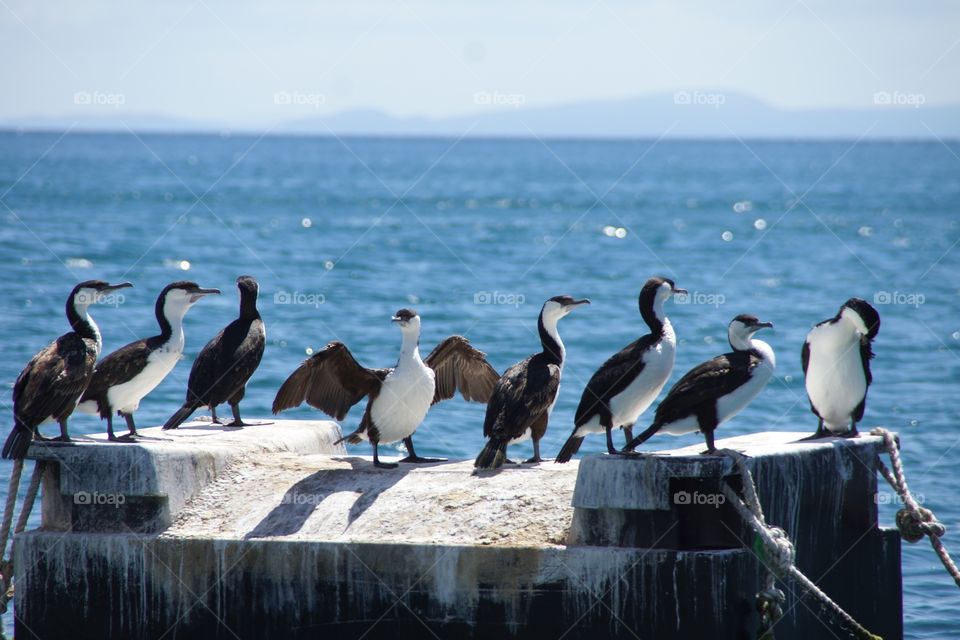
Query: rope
point(913, 521)
point(6, 566)
point(30, 498)
point(11, 503)
point(779, 557)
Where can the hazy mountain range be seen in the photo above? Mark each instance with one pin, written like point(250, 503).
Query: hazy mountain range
point(684, 114)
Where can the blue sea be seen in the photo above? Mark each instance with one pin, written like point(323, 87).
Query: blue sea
point(476, 234)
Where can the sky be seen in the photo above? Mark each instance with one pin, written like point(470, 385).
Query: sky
point(247, 63)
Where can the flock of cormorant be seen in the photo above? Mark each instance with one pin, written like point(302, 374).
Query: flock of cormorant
point(66, 375)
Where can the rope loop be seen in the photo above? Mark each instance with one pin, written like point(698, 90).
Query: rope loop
point(913, 521)
point(914, 525)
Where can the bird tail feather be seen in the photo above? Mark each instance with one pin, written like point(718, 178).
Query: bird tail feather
point(643, 437)
point(350, 438)
point(493, 456)
point(570, 447)
point(180, 416)
point(15, 448)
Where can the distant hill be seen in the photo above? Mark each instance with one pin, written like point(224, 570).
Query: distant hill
point(684, 114)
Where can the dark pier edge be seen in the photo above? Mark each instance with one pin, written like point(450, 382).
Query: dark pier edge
point(640, 561)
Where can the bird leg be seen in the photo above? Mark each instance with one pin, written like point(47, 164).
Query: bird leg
point(412, 457)
point(64, 436)
point(610, 448)
point(536, 454)
point(708, 436)
point(613, 451)
point(381, 465)
point(130, 425)
point(127, 437)
point(110, 436)
point(640, 439)
point(627, 434)
point(820, 433)
point(213, 416)
point(853, 433)
point(237, 422)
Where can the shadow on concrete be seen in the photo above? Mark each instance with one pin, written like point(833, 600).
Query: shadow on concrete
point(508, 467)
point(302, 499)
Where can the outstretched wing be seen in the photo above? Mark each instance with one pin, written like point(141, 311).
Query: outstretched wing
point(705, 383)
point(330, 380)
point(460, 367)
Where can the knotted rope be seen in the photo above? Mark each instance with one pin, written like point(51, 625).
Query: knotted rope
point(778, 557)
point(913, 521)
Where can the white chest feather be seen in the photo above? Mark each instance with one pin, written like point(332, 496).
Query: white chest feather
point(126, 397)
point(734, 402)
point(403, 401)
point(835, 380)
point(644, 389)
point(631, 402)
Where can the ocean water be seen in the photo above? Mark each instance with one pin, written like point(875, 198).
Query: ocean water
point(476, 234)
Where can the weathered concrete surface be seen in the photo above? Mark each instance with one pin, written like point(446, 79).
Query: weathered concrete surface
point(822, 493)
point(92, 484)
point(345, 498)
point(281, 541)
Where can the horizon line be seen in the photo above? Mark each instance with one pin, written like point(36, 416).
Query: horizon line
point(254, 133)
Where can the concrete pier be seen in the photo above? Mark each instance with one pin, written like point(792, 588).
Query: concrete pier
point(272, 531)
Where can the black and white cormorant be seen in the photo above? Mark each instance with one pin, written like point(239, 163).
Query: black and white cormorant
point(333, 381)
point(716, 390)
point(631, 379)
point(525, 394)
point(125, 377)
point(50, 385)
point(836, 366)
point(223, 367)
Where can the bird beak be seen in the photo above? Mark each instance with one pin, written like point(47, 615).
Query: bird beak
point(764, 325)
point(114, 287)
point(396, 319)
point(577, 303)
point(680, 292)
point(199, 293)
